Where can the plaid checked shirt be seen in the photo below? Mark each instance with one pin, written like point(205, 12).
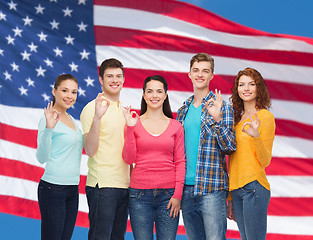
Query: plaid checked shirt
point(216, 141)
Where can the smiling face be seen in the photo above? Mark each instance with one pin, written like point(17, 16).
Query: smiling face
point(247, 89)
point(201, 74)
point(154, 94)
point(112, 82)
point(65, 94)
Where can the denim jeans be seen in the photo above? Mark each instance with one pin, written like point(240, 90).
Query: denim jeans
point(108, 213)
point(147, 206)
point(58, 208)
point(205, 217)
point(250, 205)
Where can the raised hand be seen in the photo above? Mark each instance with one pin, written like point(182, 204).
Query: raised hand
point(252, 130)
point(130, 120)
point(100, 108)
point(52, 116)
point(214, 106)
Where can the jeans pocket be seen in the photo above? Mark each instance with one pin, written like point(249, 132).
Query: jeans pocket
point(135, 193)
point(250, 187)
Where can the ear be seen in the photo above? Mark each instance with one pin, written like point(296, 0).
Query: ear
point(101, 80)
point(53, 91)
point(189, 75)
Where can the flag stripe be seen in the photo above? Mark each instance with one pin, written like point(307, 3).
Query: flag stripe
point(287, 166)
point(278, 90)
point(147, 17)
point(123, 37)
point(161, 60)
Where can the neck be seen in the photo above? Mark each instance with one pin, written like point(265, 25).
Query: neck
point(112, 98)
point(199, 94)
point(154, 113)
point(249, 106)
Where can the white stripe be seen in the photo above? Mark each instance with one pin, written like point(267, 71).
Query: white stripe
point(283, 225)
point(288, 110)
point(174, 61)
point(291, 186)
point(153, 22)
point(27, 155)
point(26, 189)
point(297, 186)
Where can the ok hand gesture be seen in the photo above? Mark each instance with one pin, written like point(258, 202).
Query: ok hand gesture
point(100, 108)
point(130, 120)
point(214, 106)
point(52, 116)
point(253, 126)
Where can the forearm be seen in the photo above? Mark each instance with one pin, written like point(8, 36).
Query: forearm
point(263, 150)
point(129, 149)
point(91, 139)
point(226, 137)
point(44, 145)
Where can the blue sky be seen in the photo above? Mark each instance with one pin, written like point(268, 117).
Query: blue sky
point(274, 16)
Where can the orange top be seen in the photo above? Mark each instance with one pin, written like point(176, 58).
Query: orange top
point(248, 162)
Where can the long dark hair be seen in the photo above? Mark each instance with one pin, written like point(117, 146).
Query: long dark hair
point(166, 104)
point(60, 79)
point(263, 100)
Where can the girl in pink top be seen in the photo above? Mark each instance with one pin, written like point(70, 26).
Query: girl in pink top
point(154, 145)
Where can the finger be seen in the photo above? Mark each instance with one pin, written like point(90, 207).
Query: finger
point(209, 103)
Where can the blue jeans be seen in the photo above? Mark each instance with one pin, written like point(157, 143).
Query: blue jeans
point(250, 205)
point(58, 208)
point(108, 213)
point(147, 206)
point(205, 217)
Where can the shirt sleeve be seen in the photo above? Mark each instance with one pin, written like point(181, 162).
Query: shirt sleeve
point(129, 153)
point(44, 141)
point(179, 161)
point(86, 117)
point(225, 130)
point(264, 142)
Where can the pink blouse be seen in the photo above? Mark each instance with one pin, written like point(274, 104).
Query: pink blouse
point(159, 161)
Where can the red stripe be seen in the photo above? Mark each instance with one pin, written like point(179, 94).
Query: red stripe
point(122, 37)
point(278, 206)
point(16, 169)
point(21, 136)
point(181, 82)
point(30, 209)
point(290, 166)
point(293, 129)
point(185, 12)
point(282, 206)
point(196, 15)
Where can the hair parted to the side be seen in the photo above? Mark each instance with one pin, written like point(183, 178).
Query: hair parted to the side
point(110, 63)
point(60, 79)
point(263, 100)
point(202, 57)
point(166, 104)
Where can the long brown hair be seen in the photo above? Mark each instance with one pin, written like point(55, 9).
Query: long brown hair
point(263, 100)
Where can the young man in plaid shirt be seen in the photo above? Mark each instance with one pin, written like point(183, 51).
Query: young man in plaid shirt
point(209, 136)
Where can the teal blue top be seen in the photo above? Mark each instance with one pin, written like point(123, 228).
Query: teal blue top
point(61, 149)
point(192, 126)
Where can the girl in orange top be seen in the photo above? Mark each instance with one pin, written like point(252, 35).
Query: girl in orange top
point(255, 130)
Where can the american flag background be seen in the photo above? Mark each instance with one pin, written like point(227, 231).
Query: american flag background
point(42, 39)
